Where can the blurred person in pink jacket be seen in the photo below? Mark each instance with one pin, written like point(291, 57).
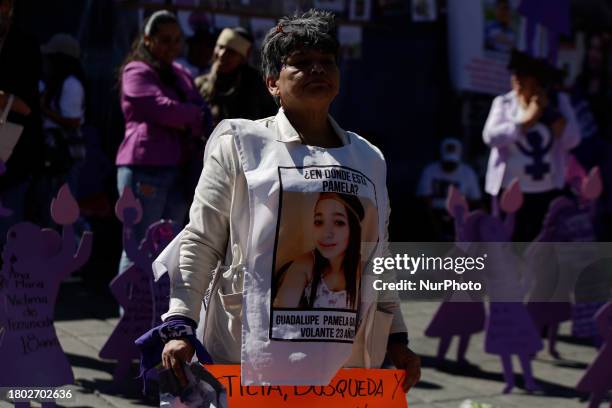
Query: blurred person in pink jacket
point(165, 122)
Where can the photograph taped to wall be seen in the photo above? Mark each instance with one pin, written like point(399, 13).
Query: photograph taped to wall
point(326, 214)
point(501, 23)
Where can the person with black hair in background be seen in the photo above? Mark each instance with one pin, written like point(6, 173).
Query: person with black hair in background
point(232, 88)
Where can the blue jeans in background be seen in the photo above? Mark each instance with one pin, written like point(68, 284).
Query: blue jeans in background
point(162, 195)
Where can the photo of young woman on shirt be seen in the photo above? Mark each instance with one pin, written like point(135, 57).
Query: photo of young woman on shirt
point(327, 276)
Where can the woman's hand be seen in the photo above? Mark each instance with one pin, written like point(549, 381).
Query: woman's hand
point(175, 355)
point(535, 108)
point(404, 359)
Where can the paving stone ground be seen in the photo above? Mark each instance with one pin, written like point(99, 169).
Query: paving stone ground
point(85, 319)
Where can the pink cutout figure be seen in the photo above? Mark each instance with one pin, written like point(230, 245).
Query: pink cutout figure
point(598, 377)
point(35, 262)
point(509, 328)
point(143, 300)
point(574, 173)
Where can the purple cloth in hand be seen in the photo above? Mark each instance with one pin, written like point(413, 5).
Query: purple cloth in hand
point(151, 344)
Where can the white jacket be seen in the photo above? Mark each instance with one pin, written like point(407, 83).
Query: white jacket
point(220, 210)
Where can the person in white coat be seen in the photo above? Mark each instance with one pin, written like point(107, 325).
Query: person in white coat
point(530, 132)
point(237, 201)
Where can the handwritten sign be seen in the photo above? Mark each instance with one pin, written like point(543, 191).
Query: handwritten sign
point(351, 387)
point(34, 263)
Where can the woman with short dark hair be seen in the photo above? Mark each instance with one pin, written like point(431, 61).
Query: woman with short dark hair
point(253, 172)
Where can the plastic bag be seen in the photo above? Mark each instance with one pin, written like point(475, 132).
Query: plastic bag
point(202, 391)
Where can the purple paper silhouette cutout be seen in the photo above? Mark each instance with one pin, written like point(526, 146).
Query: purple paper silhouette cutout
point(456, 318)
point(547, 316)
point(158, 236)
point(133, 292)
point(461, 319)
point(567, 220)
point(509, 328)
point(35, 261)
point(598, 376)
point(583, 321)
point(142, 299)
point(142, 254)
